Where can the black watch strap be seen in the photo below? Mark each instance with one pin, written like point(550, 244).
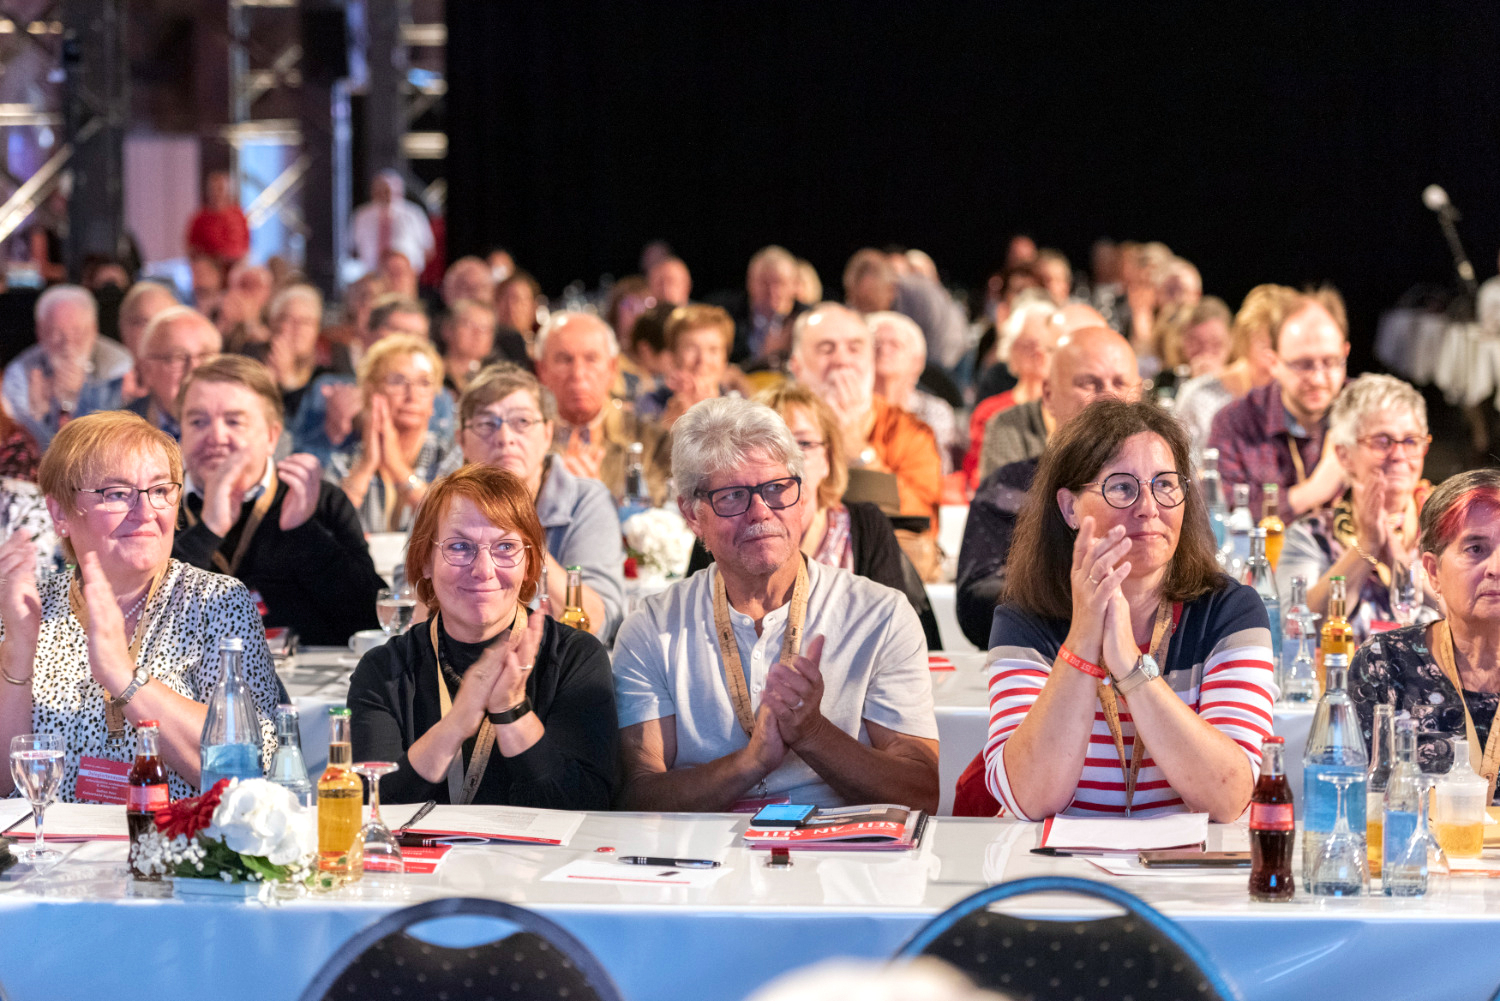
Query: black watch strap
point(512, 714)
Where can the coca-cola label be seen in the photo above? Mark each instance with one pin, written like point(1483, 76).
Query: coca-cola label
point(1271, 817)
point(146, 799)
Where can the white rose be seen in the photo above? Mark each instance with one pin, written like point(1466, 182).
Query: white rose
point(253, 816)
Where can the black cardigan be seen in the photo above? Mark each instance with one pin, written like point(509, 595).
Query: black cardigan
point(317, 579)
point(876, 556)
point(393, 699)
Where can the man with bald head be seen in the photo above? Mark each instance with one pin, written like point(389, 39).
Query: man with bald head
point(833, 353)
point(176, 341)
point(1275, 434)
point(577, 358)
point(1089, 364)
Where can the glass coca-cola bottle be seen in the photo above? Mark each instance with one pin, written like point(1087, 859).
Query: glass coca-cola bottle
point(1271, 827)
point(146, 791)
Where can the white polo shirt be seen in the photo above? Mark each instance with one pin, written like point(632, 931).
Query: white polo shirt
point(874, 667)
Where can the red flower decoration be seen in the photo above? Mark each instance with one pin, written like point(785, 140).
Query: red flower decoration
point(189, 816)
point(632, 571)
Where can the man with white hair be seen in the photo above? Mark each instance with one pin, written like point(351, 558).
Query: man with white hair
point(577, 359)
point(833, 353)
point(759, 706)
point(176, 341)
point(764, 333)
point(389, 222)
point(70, 371)
point(900, 358)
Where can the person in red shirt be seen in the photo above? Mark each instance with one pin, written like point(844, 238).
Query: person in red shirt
point(219, 229)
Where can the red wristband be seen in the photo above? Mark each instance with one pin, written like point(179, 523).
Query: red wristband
point(1073, 660)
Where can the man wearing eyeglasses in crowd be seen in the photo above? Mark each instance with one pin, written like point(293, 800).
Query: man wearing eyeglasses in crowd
point(1276, 433)
point(291, 536)
point(726, 688)
point(177, 340)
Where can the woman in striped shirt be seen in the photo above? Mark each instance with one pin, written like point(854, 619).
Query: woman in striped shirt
point(1127, 673)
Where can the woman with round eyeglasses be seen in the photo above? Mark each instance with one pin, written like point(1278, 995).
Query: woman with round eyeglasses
point(386, 470)
point(1378, 431)
point(1128, 674)
point(507, 418)
point(133, 635)
point(485, 702)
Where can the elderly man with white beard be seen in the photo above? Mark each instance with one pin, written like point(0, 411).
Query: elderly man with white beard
point(833, 353)
point(758, 706)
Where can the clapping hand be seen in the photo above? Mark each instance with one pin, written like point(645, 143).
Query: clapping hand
point(1099, 567)
point(517, 659)
point(341, 405)
point(20, 605)
point(302, 474)
point(109, 649)
point(795, 694)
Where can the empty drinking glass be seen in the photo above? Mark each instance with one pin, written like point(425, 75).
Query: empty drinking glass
point(1340, 868)
point(395, 607)
point(36, 765)
point(1300, 686)
point(382, 850)
point(1406, 593)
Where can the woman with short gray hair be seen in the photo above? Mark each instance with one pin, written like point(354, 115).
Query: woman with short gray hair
point(1378, 430)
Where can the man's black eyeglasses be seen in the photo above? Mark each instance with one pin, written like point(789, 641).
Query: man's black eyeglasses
point(730, 502)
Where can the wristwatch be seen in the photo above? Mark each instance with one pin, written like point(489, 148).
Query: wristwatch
point(415, 482)
point(1146, 669)
point(142, 675)
point(512, 714)
point(865, 457)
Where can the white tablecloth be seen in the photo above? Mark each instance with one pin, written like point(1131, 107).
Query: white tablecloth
point(74, 933)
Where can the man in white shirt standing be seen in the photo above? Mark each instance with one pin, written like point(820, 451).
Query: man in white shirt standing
point(725, 685)
point(389, 222)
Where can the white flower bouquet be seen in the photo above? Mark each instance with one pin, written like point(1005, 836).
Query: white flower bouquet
point(241, 830)
point(660, 541)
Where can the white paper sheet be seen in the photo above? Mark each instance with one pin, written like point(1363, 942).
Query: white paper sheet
point(78, 822)
point(12, 810)
point(1126, 834)
point(508, 823)
point(590, 871)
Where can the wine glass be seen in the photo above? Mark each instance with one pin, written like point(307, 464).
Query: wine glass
point(1406, 593)
point(1301, 683)
point(395, 607)
point(36, 765)
point(1339, 870)
point(382, 850)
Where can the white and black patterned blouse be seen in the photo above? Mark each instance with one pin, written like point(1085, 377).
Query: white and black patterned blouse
point(22, 505)
point(192, 610)
point(1397, 667)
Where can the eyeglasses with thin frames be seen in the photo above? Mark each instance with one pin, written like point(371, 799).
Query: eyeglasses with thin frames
point(119, 499)
point(731, 502)
point(1122, 490)
point(506, 553)
point(1414, 445)
point(488, 426)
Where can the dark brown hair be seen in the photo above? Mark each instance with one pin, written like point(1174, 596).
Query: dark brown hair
point(1038, 574)
point(502, 498)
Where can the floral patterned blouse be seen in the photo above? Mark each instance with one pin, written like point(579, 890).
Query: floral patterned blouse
point(1398, 667)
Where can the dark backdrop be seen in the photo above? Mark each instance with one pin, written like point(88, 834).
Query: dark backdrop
point(1282, 143)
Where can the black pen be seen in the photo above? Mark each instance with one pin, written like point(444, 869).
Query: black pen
point(676, 863)
point(1056, 853)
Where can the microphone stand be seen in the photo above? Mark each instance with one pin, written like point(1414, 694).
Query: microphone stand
point(1447, 216)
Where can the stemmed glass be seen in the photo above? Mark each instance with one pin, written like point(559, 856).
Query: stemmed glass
point(382, 850)
point(1340, 868)
point(1301, 683)
point(36, 765)
point(1437, 858)
point(395, 608)
point(1406, 593)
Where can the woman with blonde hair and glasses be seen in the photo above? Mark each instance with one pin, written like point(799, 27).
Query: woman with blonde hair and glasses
point(485, 702)
point(1378, 430)
point(134, 634)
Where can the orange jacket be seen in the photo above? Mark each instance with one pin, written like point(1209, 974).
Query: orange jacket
point(906, 447)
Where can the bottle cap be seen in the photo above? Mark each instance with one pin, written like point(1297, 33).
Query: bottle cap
point(338, 710)
point(1335, 577)
point(575, 569)
point(231, 643)
point(143, 724)
point(1274, 740)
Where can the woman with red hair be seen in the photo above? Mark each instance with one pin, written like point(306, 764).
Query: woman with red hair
point(1446, 674)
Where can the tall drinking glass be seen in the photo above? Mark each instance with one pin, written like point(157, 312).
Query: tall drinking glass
point(395, 607)
point(382, 850)
point(1406, 593)
point(1339, 870)
point(36, 765)
point(1300, 687)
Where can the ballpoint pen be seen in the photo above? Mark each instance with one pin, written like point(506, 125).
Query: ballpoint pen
point(676, 863)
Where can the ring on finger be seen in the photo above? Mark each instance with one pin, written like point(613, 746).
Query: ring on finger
point(800, 704)
point(1094, 581)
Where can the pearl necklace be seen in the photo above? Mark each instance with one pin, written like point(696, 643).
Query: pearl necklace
point(135, 609)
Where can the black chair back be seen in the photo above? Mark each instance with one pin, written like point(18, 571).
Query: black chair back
point(540, 961)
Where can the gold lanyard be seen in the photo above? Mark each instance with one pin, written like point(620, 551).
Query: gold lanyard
point(1440, 642)
point(462, 790)
point(1291, 445)
point(1161, 637)
point(114, 716)
point(729, 650)
point(257, 515)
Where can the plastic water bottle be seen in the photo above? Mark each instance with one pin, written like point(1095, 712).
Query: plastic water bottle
point(287, 766)
point(1335, 746)
point(1259, 576)
point(1213, 495)
point(230, 745)
point(1239, 525)
point(1404, 872)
